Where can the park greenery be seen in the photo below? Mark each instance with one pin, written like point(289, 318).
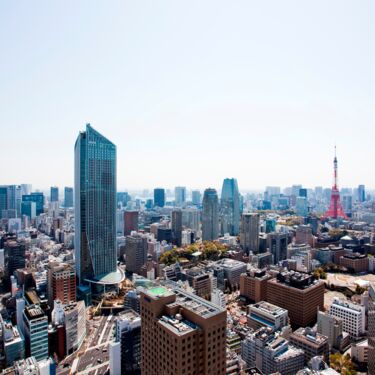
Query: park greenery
point(210, 250)
point(342, 364)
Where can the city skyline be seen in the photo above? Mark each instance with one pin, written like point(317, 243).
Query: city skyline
point(206, 102)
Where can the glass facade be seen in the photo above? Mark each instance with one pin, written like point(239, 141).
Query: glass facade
point(95, 205)
point(230, 207)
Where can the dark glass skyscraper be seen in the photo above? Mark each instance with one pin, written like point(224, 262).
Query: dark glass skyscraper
point(159, 197)
point(230, 207)
point(210, 215)
point(54, 194)
point(68, 197)
point(95, 206)
point(38, 198)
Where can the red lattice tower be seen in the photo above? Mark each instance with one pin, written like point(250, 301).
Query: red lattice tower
point(335, 209)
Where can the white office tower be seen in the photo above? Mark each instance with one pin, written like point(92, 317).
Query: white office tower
point(115, 358)
point(58, 313)
point(353, 316)
point(218, 298)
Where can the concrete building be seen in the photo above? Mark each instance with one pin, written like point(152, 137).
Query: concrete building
point(232, 271)
point(13, 343)
point(128, 335)
point(304, 235)
point(75, 325)
point(332, 327)
point(312, 343)
point(264, 314)
point(135, 252)
point(353, 316)
point(61, 283)
point(278, 245)
point(271, 353)
point(355, 262)
point(200, 281)
point(36, 332)
point(371, 330)
point(298, 293)
point(181, 333)
point(249, 234)
point(253, 284)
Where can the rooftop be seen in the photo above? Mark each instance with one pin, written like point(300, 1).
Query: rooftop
point(178, 325)
point(310, 335)
point(34, 312)
point(268, 308)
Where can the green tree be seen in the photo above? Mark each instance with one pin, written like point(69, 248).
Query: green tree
point(342, 364)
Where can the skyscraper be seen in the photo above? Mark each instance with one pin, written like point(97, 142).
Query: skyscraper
point(38, 198)
point(54, 197)
point(249, 236)
point(159, 197)
point(68, 197)
point(95, 206)
point(130, 222)
point(180, 195)
point(210, 215)
point(230, 207)
point(177, 226)
point(196, 197)
point(361, 193)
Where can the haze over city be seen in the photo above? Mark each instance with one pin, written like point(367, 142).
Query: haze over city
point(189, 92)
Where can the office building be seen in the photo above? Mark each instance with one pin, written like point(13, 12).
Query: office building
point(191, 219)
point(36, 332)
point(54, 194)
point(159, 197)
point(75, 325)
point(332, 327)
point(14, 255)
point(302, 206)
point(278, 245)
point(196, 197)
point(355, 262)
point(210, 215)
point(304, 235)
point(177, 226)
point(135, 252)
point(232, 270)
point(253, 285)
point(230, 207)
point(3, 198)
point(264, 314)
point(181, 333)
point(371, 330)
point(68, 197)
point(13, 343)
point(61, 283)
point(200, 281)
point(180, 196)
point(249, 236)
point(271, 353)
point(361, 193)
point(353, 316)
point(95, 208)
point(38, 198)
point(128, 335)
point(28, 209)
point(299, 293)
point(311, 342)
point(130, 222)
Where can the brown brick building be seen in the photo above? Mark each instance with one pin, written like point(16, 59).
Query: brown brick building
point(300, 294)
point(182, 334)
point(61, 283)
point(253, 285)
point(355, 262)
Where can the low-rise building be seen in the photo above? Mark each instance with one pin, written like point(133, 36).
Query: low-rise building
point(264, 314)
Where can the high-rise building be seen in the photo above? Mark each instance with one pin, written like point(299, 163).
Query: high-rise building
point(249, 236)
point(196, 197)
point(28, 209)
point(3, 198)
point(302, 206)
point(181, 333)
point(300, 294)
point(230, 207)
point(332, 327)
point(36, 332)
point(210, 215)
point(68, 197)
point(75, 325)
point(159, 197)
point(13, 343)
point(253, 285)
point(371, 330)
point(361, 193)
point(61, 283)
point(128, 335)
point(353, 316)
point(130, 222)
point(278, 245)
point(95, 206)
point(14, 255)
point(191, 218)
point(38, 198)
point(54, 196)
point(177, 226)
point(135, 252)
point(180, 196)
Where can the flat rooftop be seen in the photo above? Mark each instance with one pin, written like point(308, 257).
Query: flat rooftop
point(269, 308)
point(177, 326)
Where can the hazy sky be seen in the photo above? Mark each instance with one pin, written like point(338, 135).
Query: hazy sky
point(190, 91)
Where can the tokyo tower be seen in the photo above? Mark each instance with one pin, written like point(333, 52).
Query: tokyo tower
point(335, 209)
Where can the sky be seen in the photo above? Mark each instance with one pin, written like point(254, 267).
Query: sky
point(191, 92)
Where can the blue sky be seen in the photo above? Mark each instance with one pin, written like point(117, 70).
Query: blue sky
point(191, 92)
